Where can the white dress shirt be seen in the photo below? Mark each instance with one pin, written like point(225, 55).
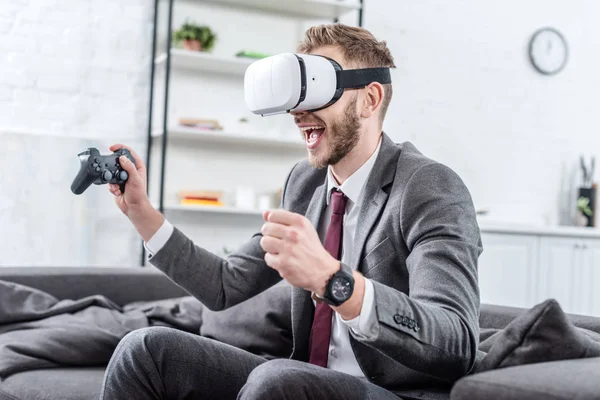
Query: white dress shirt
point(341, 357)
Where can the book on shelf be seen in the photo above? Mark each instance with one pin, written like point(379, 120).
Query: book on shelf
point(198, 202)
point(201, 197)
point(200, 123)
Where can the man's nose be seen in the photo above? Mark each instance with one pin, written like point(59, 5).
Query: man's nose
point(297, 113)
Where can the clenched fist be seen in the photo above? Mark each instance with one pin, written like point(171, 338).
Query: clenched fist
point(293, 248)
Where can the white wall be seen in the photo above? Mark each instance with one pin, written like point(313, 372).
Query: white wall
point(466, 94)
point(73, 74)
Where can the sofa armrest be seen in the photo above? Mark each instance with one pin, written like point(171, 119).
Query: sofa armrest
point(119, 284)
point(498, 317)
point(568, 379)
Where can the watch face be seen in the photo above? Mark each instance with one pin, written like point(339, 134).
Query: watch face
point(341, 288)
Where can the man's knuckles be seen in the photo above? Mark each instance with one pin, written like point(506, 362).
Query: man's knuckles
point(292, 235)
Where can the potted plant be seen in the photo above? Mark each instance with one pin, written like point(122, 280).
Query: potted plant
point(584, 212)
point(195, 37)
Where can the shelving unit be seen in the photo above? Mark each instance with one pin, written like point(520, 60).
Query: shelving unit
point(325, 9)
point(213, 209)
point(227, 70)
point(225, 137)
point(202, 62)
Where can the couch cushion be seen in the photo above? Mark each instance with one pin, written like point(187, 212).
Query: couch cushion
point(54, 384)
point(498, 317)
point(261, 325)
point(541, 334)
point(564, 380)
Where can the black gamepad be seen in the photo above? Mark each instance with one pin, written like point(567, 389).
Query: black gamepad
point(99, 170)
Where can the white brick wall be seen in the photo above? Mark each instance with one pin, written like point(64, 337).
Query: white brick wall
point(5, 93)
point(73, 74)
point(96, 51)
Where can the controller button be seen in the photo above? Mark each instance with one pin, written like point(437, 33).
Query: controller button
point(96, 159)
point(107, 175)
point(123, 175)
point(95, 164)
point(98, 169)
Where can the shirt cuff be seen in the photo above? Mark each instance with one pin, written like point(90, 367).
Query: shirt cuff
point(160, 238)
point(365, 326)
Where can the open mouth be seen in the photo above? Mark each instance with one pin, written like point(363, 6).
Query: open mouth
point(313, 135)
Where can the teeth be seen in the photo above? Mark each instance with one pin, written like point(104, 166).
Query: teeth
point(307, 128)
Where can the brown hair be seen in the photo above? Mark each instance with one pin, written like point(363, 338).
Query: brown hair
point(359, 47)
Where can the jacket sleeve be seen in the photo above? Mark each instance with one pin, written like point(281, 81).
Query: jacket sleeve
point(434, 329)
point(217, 282)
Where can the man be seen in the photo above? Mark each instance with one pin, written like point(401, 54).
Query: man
point(397, 228)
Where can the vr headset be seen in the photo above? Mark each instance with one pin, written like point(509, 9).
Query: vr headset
point(302, 82)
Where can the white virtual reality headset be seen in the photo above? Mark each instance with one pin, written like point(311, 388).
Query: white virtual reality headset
point(301, 82)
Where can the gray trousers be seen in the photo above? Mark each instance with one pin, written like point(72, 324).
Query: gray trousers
point(165, 363)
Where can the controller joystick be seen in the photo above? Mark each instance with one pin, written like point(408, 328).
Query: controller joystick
point(100, 169)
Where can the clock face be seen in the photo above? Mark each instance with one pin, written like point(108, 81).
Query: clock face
point(341, 288)
point(548, 51)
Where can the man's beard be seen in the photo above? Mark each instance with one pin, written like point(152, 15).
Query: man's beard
point(342, 137)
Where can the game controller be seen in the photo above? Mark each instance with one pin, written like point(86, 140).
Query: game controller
point(99, 170)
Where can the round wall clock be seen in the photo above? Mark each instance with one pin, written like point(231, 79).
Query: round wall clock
point(548, 51)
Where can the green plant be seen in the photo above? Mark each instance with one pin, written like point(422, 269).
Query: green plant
point(192, 31)
point(583, 205)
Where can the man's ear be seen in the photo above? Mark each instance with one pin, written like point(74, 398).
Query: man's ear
point(372, 99)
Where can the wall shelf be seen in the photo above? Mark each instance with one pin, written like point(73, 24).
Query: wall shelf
point(328, 9)
point(206, 62)
point(234, 138)
point(213, 209)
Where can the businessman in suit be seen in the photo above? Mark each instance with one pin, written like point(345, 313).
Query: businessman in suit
point(379, 242)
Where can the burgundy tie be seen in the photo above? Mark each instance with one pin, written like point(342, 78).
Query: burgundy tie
point(321, 329)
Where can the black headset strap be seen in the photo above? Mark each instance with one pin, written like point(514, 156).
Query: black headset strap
point(359, 78)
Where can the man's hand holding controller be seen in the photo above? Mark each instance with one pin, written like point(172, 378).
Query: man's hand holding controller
point(134, 203)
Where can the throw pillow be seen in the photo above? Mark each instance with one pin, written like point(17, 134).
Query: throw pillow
point(541, 334)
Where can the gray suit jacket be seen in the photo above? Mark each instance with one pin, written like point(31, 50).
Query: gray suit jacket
point(419, 243)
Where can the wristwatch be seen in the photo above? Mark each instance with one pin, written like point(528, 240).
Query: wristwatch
point(339, 288)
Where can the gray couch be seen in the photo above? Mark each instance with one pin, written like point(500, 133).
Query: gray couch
point(570, 379)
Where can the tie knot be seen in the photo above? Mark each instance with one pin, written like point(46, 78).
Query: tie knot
point(338, 202)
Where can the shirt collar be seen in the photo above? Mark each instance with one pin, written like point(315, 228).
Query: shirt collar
point(355, 183)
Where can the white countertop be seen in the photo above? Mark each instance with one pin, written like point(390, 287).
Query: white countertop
point(531, 229)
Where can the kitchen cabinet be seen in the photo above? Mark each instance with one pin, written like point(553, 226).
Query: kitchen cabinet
point(591, 258)
point(570, 273)
point(563, 273)
point(522, 267)
point(507, 269)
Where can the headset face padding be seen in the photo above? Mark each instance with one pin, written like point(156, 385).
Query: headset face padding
point(301, 82)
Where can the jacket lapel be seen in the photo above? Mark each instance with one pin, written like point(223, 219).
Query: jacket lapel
point(375, 197)
point(302, 307)
point(317, 205)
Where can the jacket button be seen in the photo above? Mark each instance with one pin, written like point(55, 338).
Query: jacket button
point(398, 318)
point(405, 321)
point(411, 324)
point(416, 328)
